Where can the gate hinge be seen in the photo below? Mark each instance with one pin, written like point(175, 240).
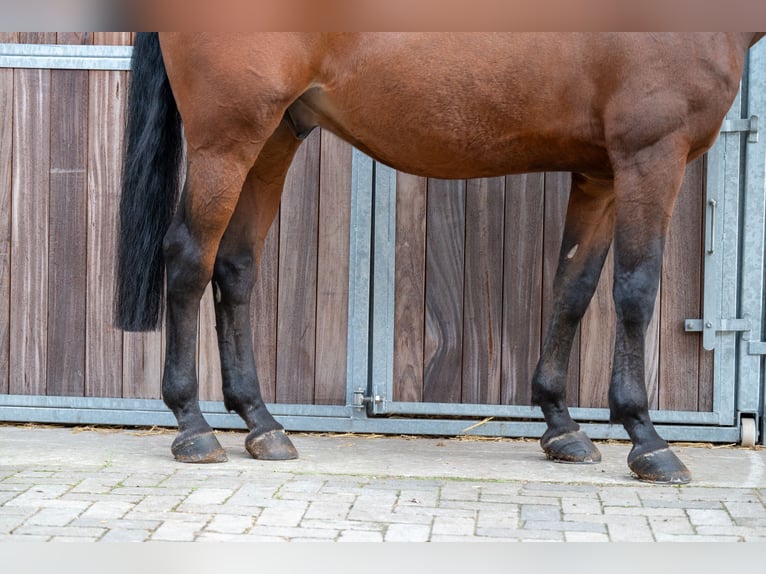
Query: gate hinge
point(360, 399)
point(756, 348)
point(747, 125)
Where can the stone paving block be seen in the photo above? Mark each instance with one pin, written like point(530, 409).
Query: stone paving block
point(46, 530)
point(581, 505)
point(427, 498)
point(105, 509)
point(700, 517)
point(339, 525)
point(459, 491)
point(540, 512)
point(360, 536)
point(628, 528)
point(125, 535)
point(497, 518)
point(670, 525)
point(517, 534)
point(696, 538)
point(586, 536)
point(38, 495)
point(24, 538)
point(69, 539)
point(617, 496)
point(407, 533)
point(228, 524)
point(288, 532)
point(209, 496)
point(749, 508)
point(54, 516)
point(178, 531)
point(456, 526)
point(569, 525)
point(289, 513)
point(642, 511)
point(327, 510)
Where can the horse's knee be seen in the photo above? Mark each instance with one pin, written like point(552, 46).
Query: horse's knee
point(634, 297)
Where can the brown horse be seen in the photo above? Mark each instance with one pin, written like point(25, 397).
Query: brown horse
point(624, 113)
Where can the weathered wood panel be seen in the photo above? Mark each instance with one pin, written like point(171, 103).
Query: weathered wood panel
point(67, 277)
point(296, 315)
point(29, 230)
point(535, 208)
point(522, 285)
point(332, 270)
point(409, 280)
point(6, 161)
point(263, 315)
point(483, 292)
point(681, 296)
point(104, 343)
point(445, 248)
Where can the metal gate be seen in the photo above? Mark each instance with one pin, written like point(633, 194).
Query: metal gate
point(731, 325)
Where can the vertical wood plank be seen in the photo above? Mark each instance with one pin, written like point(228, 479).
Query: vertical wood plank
point(296, 318)
point(409, 281)
point(67, 232)
point(681, 296)
point(483, 291)
point(332, 270)
point(652, 354)
point(263, 315)
point(557, 186)
point(522, 285)
point(445, 248)
point(104, 343)
point(29, 224)
point(6, 151)
point(103, 347)
point(597, 341)
point(208, 357)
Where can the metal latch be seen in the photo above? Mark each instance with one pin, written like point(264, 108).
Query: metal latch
point(749, 126)
point(360, 399)
point(710, 328)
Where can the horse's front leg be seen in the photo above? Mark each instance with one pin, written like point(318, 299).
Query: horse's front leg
point(235, 272)
point(587, 237)
point(645, 198)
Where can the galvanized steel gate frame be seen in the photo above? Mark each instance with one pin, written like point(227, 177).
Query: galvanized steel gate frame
point(732, 322)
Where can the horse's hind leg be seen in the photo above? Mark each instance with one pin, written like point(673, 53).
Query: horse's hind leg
point(233, 278)
point(586, 241)
point(213, 185)
point(645, 197)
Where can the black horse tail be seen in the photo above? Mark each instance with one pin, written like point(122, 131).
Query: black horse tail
point(150, 188)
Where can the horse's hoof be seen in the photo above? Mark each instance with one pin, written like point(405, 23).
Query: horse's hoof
point(659, 467)
point(572, 447)
point(271, 445)
point(201, 448)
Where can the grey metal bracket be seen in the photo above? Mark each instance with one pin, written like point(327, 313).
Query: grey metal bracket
point(361, 400)
point(709, 328)
point(747, 125)
point(756, 348)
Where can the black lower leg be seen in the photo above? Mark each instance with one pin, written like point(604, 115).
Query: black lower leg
point(196, 441)
point(232, 284)
point(635, 291)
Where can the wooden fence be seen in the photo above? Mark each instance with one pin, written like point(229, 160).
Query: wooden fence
point(475, 262)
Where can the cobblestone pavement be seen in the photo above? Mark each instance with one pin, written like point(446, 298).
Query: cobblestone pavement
point(65, 484)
